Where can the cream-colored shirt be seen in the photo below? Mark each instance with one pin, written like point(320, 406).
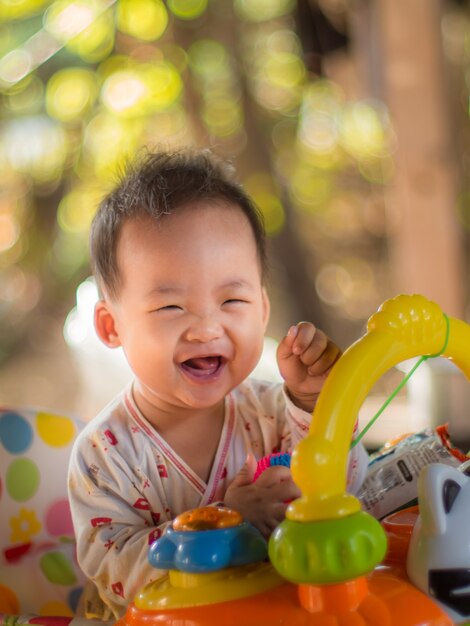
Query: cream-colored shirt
point(126, 484)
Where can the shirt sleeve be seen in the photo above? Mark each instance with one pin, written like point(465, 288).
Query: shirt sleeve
point(294, 424)
point(114, 525)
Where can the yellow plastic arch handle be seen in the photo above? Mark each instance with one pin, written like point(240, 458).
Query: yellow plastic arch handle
point(404, 327)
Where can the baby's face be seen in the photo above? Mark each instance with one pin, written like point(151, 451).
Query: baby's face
point(192, 310)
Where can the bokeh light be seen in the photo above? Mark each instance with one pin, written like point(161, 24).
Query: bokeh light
point(9, 232)
point(95, 42)
point(19, 291)
point(144, 19)
point(108, 140)
point(187, 9)
point(26, 97)
point(14, 66)
point(310, 189)
point(174, 126)
point(35, 146)
point(218, 85)
point(362, 130)
point(207, 57)
point(222, 116)
point(142, 89)
point(320, 117)
point(85, 28)
point(125, 93)
point(76, 210)
point(70, 94)
point(65, 19)
point(350, 284)
point(278, 74)
point(261, 187)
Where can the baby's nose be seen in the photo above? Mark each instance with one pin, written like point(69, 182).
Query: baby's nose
point(204, 329)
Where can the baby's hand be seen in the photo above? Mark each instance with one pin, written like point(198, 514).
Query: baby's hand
point(262, 503)
point(305, 357)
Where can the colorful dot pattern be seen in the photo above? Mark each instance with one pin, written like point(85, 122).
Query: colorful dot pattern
point(38, 569)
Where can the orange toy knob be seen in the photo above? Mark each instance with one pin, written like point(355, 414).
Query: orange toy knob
point(207, 518)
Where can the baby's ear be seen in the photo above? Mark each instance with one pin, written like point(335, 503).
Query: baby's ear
point(105, 325)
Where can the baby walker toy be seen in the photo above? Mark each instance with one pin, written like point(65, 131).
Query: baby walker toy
point(326, 562)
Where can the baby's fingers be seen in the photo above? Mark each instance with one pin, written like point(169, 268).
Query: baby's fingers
point(274, 515)
point(305, 336)
point(285, 491)
point(273, 475)
point(319, 363)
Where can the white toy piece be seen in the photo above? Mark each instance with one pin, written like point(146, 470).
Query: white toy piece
point(439, 553)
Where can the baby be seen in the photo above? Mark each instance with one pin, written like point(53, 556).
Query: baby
point(178, 252)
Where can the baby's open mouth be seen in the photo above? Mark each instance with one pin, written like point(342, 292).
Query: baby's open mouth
point(203, 367)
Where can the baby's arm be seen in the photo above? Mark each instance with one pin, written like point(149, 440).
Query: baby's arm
point(305, 358)
point(113, 536)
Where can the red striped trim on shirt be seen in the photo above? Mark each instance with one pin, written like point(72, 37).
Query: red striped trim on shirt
point(161, 444)
point(226, 445)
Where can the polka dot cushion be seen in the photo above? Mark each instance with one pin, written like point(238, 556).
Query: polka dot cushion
point(38, 570)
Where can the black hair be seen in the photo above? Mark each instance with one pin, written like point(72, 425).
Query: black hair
point(158, 184)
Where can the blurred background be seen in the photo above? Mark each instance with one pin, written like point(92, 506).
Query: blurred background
point(347, 121)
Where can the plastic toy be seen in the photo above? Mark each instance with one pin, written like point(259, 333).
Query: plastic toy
point(326, 557)
point(276, 458)
point(439, 552)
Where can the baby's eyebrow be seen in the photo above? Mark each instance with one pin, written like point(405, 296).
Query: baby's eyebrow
point(173, 290)
point(164, 290)
point(236, 284)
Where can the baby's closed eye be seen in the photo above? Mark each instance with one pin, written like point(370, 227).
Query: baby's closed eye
point(235, 301)
point(169, 306)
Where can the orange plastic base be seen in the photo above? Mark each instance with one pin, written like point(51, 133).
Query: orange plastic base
point(381, 599)
point(398, 528)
